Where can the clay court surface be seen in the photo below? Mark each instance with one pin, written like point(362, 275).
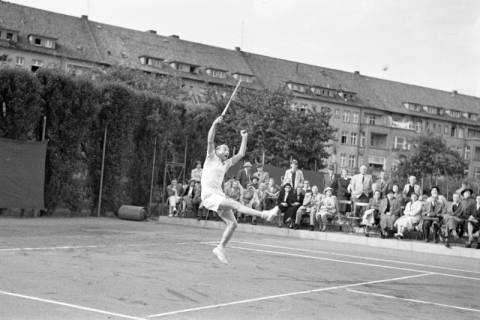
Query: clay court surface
point(88, 268)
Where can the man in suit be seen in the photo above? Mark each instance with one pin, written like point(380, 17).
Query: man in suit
point(285, 200)
point(410, 187)
point(390, 209)
point(432, 218)
point(293, 176)
point(473, 226)
point(244, 175)
point(330, 179)
point(382, 184)
point(262, 175)
point(361, 187)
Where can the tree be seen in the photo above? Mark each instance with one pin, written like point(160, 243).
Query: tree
point(431, 158)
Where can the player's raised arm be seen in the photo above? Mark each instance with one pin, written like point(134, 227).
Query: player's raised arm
point(211, 136)
point(243, 148)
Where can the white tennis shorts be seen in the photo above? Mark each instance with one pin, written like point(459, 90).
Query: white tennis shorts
point(212, 201)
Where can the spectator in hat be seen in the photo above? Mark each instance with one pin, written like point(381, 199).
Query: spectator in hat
point(262, 175)
point(293, 176)
point(390, 209)
point(244, 175)
point(254, 182)
point(432, 219)
point(468, 208)
point(411, 216)
point(451, 218)
point(196, 173)
point(327, 209)
point(285, 200)
point(473, 225)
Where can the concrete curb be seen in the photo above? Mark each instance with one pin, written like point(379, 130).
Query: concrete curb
point(406, 245)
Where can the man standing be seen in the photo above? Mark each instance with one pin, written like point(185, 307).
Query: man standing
point(293, 176)
point(382, 184)
point(473, 226)
point(409, 188)
point(330, 179)
point(361, 187)
point(262, 175)
point(245, 175)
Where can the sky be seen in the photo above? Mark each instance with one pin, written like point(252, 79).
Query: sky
point(432, 43)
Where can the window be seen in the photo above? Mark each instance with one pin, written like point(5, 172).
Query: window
point(476, 173)
point(446, 129)
point(353, 138)
point(378, 140)
point(430, 109)
point(400, 143)
point(20, 61)
point(9, 36)
point(346, 116)
point(472, 133)
point(37, 41)
point(154, 62)
point(216, 73)
point(337, 114)
point(351, 161)
point(460, 133)
point(344, 137)
point(372, 119)
point(363, 139)
point(343, 160)
point(454, 113)
point(453, 131)
point(467, 153)
point(38, 63)
point(243, 77)
point(49, 43)
point(476, 155)
point(355, 116)
point(297, 87)
point(41, 41)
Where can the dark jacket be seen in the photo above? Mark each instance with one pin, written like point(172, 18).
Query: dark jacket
point(468, 208)
point(395, 207)
point(290, 197)
point(244, 178)
point(187, 190)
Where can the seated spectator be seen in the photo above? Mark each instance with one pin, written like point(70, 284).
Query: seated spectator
point(263, 176)
point(233, 189)
point(473, 226)
point(306, 186)
point(327, 209)
point(452, 217)
point(468, 207)
point(196, 173)
point(411, 216)
point(371, 215)
point(342, 184)
point(292, 210)
point(432, 218)
point(305, 208)
point(174, 191)
point(262, 195)
point(285, 200)
point(390, 209)
point(254, 182)
point(272, 191)
point(396, 193)
point(250, 199)
point(294, 176)
point(189, 201)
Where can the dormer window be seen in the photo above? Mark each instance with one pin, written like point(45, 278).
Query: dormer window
point(216, 73)
point(184, 67)
point(243, 77)
point(454, 113)
point(150, 61)
point(8, 35)
point(41, 41)
point(297, 87)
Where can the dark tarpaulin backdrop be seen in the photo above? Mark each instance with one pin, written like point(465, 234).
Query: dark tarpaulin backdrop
point(22, 174)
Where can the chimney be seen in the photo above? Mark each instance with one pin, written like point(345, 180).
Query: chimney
point(238, 49)
point(152, 31)
point(84, 17)
point(174, 36)
point(357, 72)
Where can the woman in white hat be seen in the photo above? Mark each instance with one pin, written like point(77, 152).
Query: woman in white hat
point(327, 209)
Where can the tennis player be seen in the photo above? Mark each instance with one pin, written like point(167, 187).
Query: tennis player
point(216, 165)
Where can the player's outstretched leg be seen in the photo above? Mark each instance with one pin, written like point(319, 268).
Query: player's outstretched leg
point(229, 218)
point(268, 215)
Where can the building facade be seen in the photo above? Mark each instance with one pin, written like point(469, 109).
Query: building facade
point(376, 120)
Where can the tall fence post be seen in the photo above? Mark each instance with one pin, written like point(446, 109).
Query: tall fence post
point(101, 173)
point(153, 176)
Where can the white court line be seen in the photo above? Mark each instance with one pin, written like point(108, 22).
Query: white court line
point(359, 257)
point(50, 248)
point(213, 306)
point(70, 305)
point(414, 300)
point(352, 262)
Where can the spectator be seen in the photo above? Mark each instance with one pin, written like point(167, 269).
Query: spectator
point(244, 175)
point(341, 185)
point(262, 195)
point(306, 186)
point(272, 191)
point(188, 197)
point(250, 199)
point(411, 216)
point(314, 206)
point(196, 173)
point(305, 208)
point(382, 184)
point(285, 200)
point(462, 187)
point(294, 176)
point(263, 176)
point(233, 189)
point(254, 182)
point(397, 194)
point(330, 178)
point(371, 216)
point(174, 192)
point(468, 208)
point(409, 188)
point(292, 211)
point(433, 217)
point(361, 187)
point(452, 217)
point(473, 226)
point(390, 209)
point(327, 209)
